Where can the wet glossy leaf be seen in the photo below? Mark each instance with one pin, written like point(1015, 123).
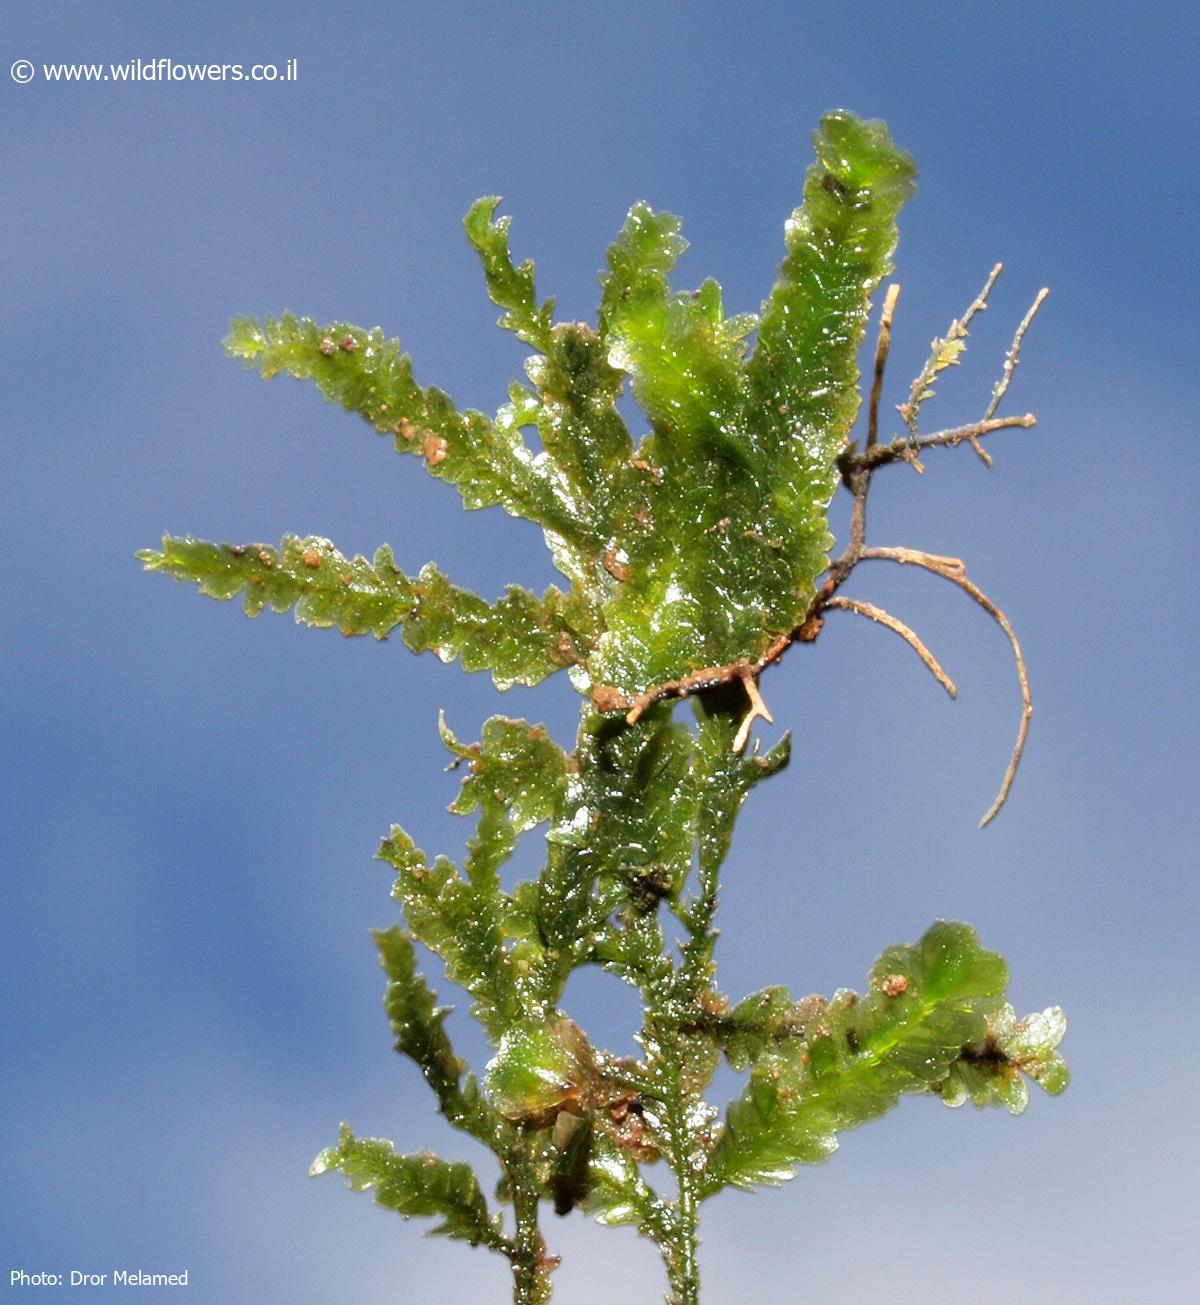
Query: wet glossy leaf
point(683, 356)
point(804, 371)
point(696, 551)
point(415, 1185)
point(760, 1021)
point(463, 920)
point(742, 459)
point(516, 764)
point(994, 1070)
point(367, 373)
point(510, 287)
point(539, 1065)
point(704, 544)
point(520, 638)
point(417, 1020)
point(418, 1023)
point(720, 778)
point(574, 411)
point(827, 1066)
point(618, 1194)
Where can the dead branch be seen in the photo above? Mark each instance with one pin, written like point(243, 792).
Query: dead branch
point(1013, 356)
point(606, 697)
point(953, 570)
point(882, 345)
point(909, 636)
point(903, 450)
point(758, 711)
point(943, 353)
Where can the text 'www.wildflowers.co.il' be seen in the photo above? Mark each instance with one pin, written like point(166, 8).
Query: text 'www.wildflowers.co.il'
point(156, 70)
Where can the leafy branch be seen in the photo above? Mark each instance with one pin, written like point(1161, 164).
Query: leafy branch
point(521, 639)
point(932, 1020)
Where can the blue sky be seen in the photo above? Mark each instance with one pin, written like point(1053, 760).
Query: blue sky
point(190, 801)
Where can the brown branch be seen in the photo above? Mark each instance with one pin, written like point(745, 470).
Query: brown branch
point(980, 452)
point(1013, 356)
point(918, 557)
point(951, 569)
point(606, 697)
point(882, 345)
point(902, 449)
point(982, 297)
point(909, 636)
point(856, 469)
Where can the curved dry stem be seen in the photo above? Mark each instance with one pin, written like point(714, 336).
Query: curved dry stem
point(909, 636)
point(952, 569)
point(938, 562)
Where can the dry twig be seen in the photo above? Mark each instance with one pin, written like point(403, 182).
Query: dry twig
point(953, 570)
point(909, 636)
point(944, 352)
point(1013, 356)
point(882, 345)
point(758, 711)
point(903, 450)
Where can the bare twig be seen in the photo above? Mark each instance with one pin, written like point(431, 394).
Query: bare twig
point(758, 711)
point(943, 353)
point(918, 557)
point(902, 450)
point(1013, 356)
point(909, 636)
point(980, 452)
point(953, 570)
point(882, 345)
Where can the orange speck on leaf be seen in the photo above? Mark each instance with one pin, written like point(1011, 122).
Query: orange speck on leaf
point(614, 566)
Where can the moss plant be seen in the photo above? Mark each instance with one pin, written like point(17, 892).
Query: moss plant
point(692, 562)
